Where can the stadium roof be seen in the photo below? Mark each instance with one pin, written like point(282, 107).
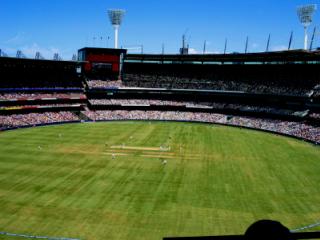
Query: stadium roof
point(280, 56)
point(103, 50)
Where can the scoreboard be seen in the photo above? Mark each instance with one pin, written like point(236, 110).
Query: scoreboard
point(102, 63)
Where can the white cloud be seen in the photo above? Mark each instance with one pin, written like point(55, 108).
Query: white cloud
point(8, 50)
point(30, 51)
point(279, 48)
point(213, 52)
point(19, 38)
point(255, 45)
point(193, 51)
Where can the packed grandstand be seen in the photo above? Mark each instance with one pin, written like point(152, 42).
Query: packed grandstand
point(273, 97)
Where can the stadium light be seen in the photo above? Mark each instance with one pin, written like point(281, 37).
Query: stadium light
point(115, 16)
point(305, 16)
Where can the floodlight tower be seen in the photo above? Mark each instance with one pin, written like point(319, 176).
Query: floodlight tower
point(305, 16)
point(115, 16)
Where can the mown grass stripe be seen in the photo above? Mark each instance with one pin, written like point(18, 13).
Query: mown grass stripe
point(220, 181)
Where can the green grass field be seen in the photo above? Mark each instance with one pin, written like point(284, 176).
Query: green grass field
point(217, 180)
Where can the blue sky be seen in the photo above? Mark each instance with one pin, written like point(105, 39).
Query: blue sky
point(64, 26)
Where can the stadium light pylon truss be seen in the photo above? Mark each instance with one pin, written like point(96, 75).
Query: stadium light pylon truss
point(305, 14)
point(116, 16)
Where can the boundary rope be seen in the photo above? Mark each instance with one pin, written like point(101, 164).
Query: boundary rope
point(306, 227)
point(37, 237)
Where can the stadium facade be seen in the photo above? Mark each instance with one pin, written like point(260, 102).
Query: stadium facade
point(273, 85)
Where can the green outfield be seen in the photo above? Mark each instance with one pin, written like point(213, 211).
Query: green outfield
point(146, 180)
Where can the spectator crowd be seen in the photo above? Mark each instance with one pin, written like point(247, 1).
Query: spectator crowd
point(255, 86)
point(200, 105)
point(135, 102)
point(104, 84)
point(297, 129)
point(172, 82)
point(18, 120)
point(315, 115)
point(34, 96)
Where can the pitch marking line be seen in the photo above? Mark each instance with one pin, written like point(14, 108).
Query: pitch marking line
point(116, 154)
point(157, 156)
point(137, 152)
point(139, 148)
